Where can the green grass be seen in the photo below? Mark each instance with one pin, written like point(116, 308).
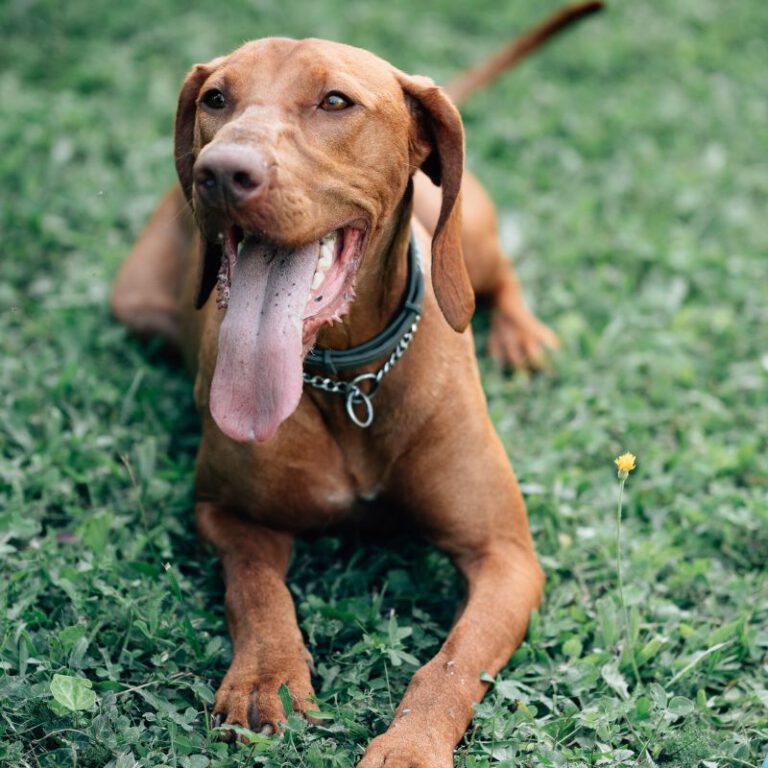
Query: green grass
point(633, 155)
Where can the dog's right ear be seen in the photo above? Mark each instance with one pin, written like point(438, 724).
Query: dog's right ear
point(186, 112)
point(185, 155)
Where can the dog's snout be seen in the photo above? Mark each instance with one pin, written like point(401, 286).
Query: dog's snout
point(230, 173)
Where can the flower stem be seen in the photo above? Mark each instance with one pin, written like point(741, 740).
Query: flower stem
point(627, 627)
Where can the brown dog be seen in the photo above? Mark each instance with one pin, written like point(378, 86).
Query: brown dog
point(298, 160)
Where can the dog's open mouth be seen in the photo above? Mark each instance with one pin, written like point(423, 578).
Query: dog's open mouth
point(276, 299)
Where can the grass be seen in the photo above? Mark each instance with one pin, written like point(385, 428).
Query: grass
point(632, 156)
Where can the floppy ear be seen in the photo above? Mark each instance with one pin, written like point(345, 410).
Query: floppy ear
point(184, 152)
point(437, 147)
point(186, 112)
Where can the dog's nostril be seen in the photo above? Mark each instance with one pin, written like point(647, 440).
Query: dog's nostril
point(206, 179)
point(244, 180)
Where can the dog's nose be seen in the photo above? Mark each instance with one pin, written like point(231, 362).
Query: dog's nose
point(230, 173)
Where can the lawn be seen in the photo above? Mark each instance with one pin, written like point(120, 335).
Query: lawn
point(629, 164)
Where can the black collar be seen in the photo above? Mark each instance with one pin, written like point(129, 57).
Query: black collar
point(384, 343)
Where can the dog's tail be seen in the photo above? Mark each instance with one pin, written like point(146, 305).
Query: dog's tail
point(463, 86)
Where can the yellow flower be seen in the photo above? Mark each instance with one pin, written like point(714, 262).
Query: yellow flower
point(625, 463)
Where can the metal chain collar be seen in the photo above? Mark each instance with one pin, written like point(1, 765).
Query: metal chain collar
point(352, 390)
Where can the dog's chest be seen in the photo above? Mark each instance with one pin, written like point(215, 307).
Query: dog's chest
point(298, 485)
point(311, 497)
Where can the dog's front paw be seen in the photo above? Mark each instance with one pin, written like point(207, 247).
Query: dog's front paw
point(253, 701)
point(401, 750)
point(520, 339)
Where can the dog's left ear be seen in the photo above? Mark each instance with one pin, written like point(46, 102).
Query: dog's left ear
point(437, 147)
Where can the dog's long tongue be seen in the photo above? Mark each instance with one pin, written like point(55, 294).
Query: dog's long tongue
point(258, 378)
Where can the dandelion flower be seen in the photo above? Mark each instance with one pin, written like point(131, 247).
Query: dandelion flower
point(625, 464)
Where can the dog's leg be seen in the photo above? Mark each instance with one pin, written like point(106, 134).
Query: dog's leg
point(503, 585)
point(480, 520)
point(146, 292)
point(517, 336)
point(268, 649)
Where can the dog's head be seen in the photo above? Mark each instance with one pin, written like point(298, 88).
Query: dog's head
point(295, 156)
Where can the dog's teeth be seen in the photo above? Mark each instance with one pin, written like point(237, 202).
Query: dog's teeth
point(317, 280)
point(326, 258)
point(329, 239)
point(240, 246)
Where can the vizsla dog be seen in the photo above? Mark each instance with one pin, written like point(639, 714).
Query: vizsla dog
point(334, 368)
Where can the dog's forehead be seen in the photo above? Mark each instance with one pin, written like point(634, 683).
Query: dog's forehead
point(310, 62)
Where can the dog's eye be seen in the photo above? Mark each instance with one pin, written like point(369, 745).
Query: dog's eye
point(214, 99)
point(335, 102)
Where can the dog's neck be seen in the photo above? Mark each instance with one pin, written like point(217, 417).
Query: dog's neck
point(381, 282)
